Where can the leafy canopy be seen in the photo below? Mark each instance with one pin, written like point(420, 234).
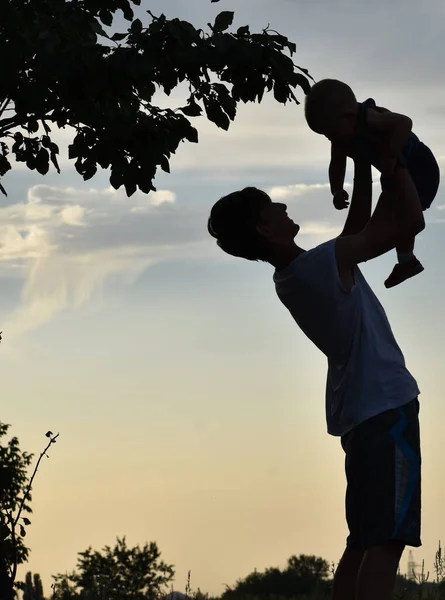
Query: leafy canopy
point(62, 67)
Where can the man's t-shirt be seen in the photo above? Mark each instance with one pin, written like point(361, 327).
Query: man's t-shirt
point(366, 368)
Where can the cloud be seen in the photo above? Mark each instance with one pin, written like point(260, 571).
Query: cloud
point(156, 199)
point(67, 242)
point(295, 191)
point(60, 282)
point(73, 220)
point(320, 228)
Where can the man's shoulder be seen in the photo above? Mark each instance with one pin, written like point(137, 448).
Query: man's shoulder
point(306, 264)
point(317, 253)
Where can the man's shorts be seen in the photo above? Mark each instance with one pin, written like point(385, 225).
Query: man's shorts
point(383, 465)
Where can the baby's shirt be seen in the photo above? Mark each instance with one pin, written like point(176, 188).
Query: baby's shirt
point(363, 146)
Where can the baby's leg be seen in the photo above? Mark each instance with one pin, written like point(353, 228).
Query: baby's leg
point(407, 266)
point(405, 247)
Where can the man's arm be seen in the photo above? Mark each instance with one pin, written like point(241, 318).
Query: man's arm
point(337, 169)
point(398, 215)
point(361, 201)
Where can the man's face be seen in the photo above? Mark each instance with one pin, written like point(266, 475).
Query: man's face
point(275, 223)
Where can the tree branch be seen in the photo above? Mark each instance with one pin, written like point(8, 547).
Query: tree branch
point(29, 486)
point(6, 124)
point(13, 568)
point(3, 106)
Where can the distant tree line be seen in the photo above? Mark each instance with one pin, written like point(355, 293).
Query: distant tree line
point(123, 573)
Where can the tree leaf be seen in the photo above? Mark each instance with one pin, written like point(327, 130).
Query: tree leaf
point(216, 114)
point(42, 161)
point(192, 109)
point(165, 166)
point(98, 29)
point(130, 187)
point(280, 92)
point(242, 31)
point(128, 11)
point(192, 135)
point(147, 91)
point(32, 125)
point(26, 521)
point(54, 161)
point(301, 80)
point(89, 169)
point(117, 37)
point(292, 47)
point(136, 26)
point(5, 165)
point(73, 151)
point(116, 178)
point(106, 17)
point(223, 21)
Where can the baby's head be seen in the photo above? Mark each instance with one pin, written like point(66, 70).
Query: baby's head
point(331, 109)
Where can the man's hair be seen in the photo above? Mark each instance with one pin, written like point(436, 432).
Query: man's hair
point(326, 100)
point(233, 221)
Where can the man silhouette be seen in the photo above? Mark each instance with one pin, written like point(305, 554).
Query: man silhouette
point(371, 398)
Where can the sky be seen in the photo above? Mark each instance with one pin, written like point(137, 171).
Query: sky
point(189, 405)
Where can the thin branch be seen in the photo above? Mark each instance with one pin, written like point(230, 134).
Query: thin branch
point(4, 105)
point(29, 486)
point(45, 126)
point(6, 124)
point(14, 549)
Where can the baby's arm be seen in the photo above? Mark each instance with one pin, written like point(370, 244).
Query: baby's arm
point(394, 129)
point(337, 169)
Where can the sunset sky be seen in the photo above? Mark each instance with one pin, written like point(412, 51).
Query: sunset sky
point(190, 407)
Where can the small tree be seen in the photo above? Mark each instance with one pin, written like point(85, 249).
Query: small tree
point(15, 496)
point(13, 484)
point(118, 573)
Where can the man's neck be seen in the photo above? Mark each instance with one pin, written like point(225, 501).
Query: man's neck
point(285, 256)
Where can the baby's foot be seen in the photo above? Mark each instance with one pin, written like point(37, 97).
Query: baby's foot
point(404, 271)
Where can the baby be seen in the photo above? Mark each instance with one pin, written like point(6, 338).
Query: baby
point(385, 138)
